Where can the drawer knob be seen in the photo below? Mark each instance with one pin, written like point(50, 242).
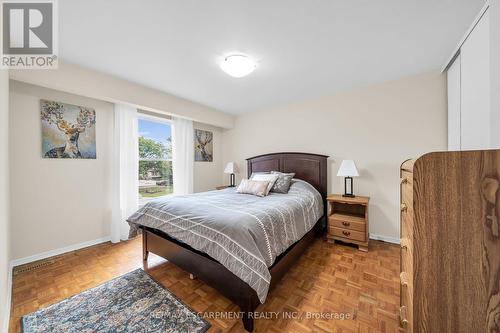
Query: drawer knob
point(402, 316)
point(346, 233)
point(346, 224)
point(404, 279)
point(404, 207)
point(404, 181)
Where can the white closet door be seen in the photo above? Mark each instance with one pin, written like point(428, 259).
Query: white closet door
point(494, 11)
point(454, 105)
point(475, 84)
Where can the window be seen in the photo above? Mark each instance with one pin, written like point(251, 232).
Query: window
point(155, 158)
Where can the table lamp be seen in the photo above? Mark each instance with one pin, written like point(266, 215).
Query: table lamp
point(231, 168)
point(348, 170)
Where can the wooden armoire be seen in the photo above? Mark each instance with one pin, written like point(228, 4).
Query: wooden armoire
point(450, 242)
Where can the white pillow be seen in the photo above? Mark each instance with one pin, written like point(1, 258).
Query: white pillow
point(265, 177)
point(254, 187)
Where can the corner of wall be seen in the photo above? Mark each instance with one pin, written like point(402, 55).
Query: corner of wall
point(5, 243)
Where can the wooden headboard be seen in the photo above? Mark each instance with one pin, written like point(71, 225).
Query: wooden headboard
point(308, 167)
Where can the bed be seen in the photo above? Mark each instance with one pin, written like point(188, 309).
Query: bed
point(259, 240)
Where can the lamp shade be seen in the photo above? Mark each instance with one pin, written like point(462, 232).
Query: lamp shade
point(348, 169)
point(231, 167)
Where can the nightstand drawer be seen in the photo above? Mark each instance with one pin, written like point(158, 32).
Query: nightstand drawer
point(356, 224)
point(348, 234)
point(348, 220)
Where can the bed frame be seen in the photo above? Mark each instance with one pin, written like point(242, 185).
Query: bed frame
point(309, 167)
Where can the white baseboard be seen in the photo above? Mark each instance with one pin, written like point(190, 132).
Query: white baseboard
point(56, 252)
point(385, 238)
point(40, 256)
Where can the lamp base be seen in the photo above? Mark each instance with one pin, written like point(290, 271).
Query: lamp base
point(350, 193)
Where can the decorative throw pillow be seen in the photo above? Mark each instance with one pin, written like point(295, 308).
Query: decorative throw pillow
point(254, 187)
point(282, 184)
point(266, 177)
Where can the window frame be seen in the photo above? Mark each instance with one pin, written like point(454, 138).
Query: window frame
point(154, 119)
point(151, 118)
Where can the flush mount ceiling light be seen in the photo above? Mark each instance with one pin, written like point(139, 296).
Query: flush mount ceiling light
point(238, 65)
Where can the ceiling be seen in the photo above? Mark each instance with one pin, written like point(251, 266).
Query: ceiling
point(305, 48)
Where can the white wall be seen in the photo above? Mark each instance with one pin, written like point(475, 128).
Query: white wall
point(4, 199)
point(379, 127)
point(89, 83)
point(207, 174)
point(60, 203)
point(56, 202)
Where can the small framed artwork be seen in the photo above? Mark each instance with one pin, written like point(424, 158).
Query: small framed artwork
point(68, 131)
point(203, 146)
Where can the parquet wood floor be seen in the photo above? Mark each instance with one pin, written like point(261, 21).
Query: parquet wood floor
point(328, 278)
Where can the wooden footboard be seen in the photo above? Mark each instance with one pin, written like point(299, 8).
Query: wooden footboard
point(215, 274)
point(311, 168)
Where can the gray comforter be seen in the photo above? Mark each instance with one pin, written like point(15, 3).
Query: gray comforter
point(245, 233)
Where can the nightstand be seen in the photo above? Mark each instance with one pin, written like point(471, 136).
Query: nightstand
point(222, 187)
point(348, 220)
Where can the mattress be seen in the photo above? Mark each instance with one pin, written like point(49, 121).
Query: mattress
point(245, 233)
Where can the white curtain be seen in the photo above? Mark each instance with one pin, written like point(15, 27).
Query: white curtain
point(183, 155)
point(125, 170)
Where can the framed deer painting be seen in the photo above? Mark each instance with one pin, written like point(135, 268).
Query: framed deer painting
point(203, 146)
point(68, 131)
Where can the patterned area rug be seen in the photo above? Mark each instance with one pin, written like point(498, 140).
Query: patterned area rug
point(134, 302)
